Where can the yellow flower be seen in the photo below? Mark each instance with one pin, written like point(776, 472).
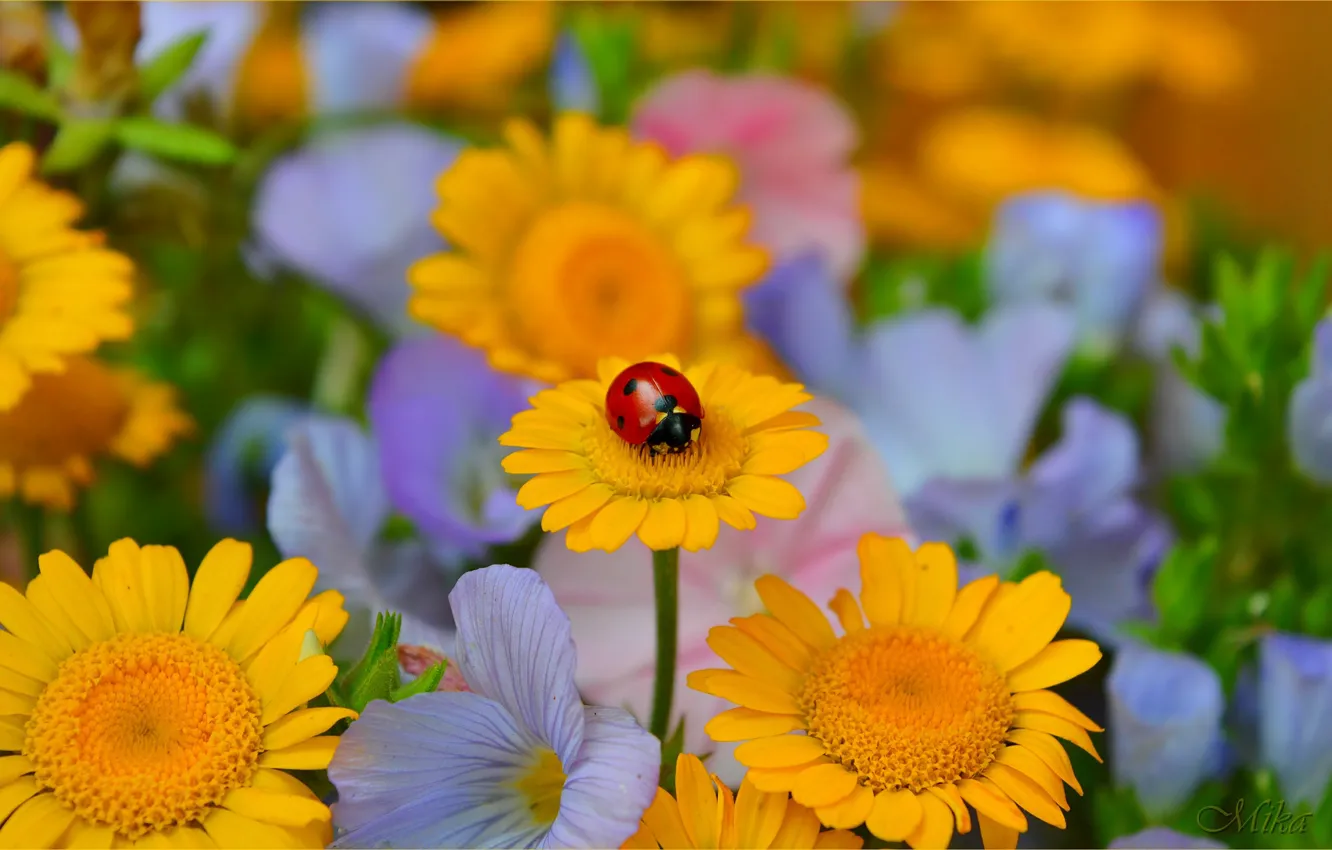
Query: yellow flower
point(604, 490)
point(707, 816)
point(273, 76)
point(137, 709)
point(590, 246)
point(938, 703)
point(477, 53)
point(61, 293)
point(49, 441)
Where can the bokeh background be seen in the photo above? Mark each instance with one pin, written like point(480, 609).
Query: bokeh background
point(932, 183)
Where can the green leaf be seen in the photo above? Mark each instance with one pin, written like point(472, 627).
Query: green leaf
point(1317, 613)
point(77, 143)
point(19, 93)
point(1030, 563)
point(671, 749)
point(174, 141)
point(1322, 821)
point(423, 684)
point(59, 64)
point(376, 675)
point(171, 62)
point(1180, 586)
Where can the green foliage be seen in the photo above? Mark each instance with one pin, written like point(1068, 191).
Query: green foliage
point(376, 675)
point(77, 143)
point(181, 142)
point(671, 749)
point(1178, 591)
point(608, 43)
point(20, 94)
point(162, 71)
point(896, 284)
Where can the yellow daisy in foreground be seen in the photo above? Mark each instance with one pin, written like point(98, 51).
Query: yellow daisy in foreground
point(603, 489)
point(67, 420)
point(61, 293)
point(588, 246)
point(140, 710)
point(706, 815)
point(938, 703)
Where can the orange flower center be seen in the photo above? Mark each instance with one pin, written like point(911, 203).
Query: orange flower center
point(588, 281)
point(906, 707)
point(76, 413)
point(144, 732)
point(9, 287)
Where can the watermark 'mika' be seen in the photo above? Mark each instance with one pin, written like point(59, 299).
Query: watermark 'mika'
point(1270, 817)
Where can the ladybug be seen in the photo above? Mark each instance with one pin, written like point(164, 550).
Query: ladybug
point(654, 405)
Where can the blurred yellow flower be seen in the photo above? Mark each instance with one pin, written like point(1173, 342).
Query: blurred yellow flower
point(61, 293)
point(478, 52)
point(585, 246)
point(273, 76)
point(66, 421)
point(104, 70)
point(23, 35)
point(683, 33)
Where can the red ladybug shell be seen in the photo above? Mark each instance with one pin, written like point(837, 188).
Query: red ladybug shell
point(638, 400)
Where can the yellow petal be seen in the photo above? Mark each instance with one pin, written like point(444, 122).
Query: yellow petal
point(237, 832)
point(1052, 703)
point(119, 577)
point(578, 537)
point(1021, 624)
point(950, 797)
point(747, 692)
point(780, 452)
point(767, 496)
point(546, 437)
point(733, 513)
point(894, 815)
point(850, 812)
point(12, 767)
point(800, 828)
point(302, 725)
point(78, 595)
point(990, 802)
point(742, 724)
point(663, 818)
point(935, 830)
point(1026, 763)
point(1025, 793)
point(840, 839)
point(967, 606)
point(779, 751)
point(935, 570)
point(794, 610)
point(271, 605)
point(698, 801)
point(217, 584)
point(566, 512)
point(779, 780)
point(535, 461)
point(1057, 662)
point(779, 640)
point(824, 785)
point(16, 794)
point(20, 684)
point(273, 807)
point(883, 562)
point(87, 836)
point(270, 668)
point(330, 615)
point(1048, 750)
point(26, 659)
point(12, 732)
point(617, 521)
point(701, 523)
point(1057, 726)
point(308, 680)
point(843, 604)
point(19, 616)
point(166, 587)
point(47, 605)
point(758, 815)
point(13, 703)
point(310, 754)
point(277, 780)
point(36, 823)
point(751, 658)
point(550, 487)
point(996, 836)
point(664, 526)
point(642, 839)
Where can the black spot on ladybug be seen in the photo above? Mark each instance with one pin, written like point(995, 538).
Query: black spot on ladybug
point(664, 404)
point(630, 385)
point(619, 423)
point(667, 370)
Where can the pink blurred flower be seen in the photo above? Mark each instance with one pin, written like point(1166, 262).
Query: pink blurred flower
point(791, 142)
point(608, 596)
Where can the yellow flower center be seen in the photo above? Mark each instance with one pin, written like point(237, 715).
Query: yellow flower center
point(75, 413)
point(9, 285)
point(704, 468)
point(543, 785)
point(587, 281)
point(143, 732)
point(907, 707)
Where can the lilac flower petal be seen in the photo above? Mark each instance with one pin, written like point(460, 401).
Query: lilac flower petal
point(1309, 422)
point(1094, 464)
point(1321, 362)
point(612, 782)
point(1295, 700)
point(438, 409)
point(945, 400)
point(230, 28)
point(435, 770)
point(515, 646)
point(1168, 320)
point(573, 86)
point(1188, 427)
point(1163, 838)
point(947, 510)
point(352, 211)
point(254, 432)
point(1244, 714)
point(805, 317)
point(1166, 709)
point(359, 53)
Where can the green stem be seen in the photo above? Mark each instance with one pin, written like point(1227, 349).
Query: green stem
point(30, 525)
point(666, 584)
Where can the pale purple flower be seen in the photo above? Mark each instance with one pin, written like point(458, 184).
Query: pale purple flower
point(328, 504)
point(351, 211)
point(1165, 710)
point(1101, 258)
point(245, 449)
point(517, 762)
point(1164, 838)
point(1295, 714)
point(573, 86)
point(437, 410)
point(1309, 420)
